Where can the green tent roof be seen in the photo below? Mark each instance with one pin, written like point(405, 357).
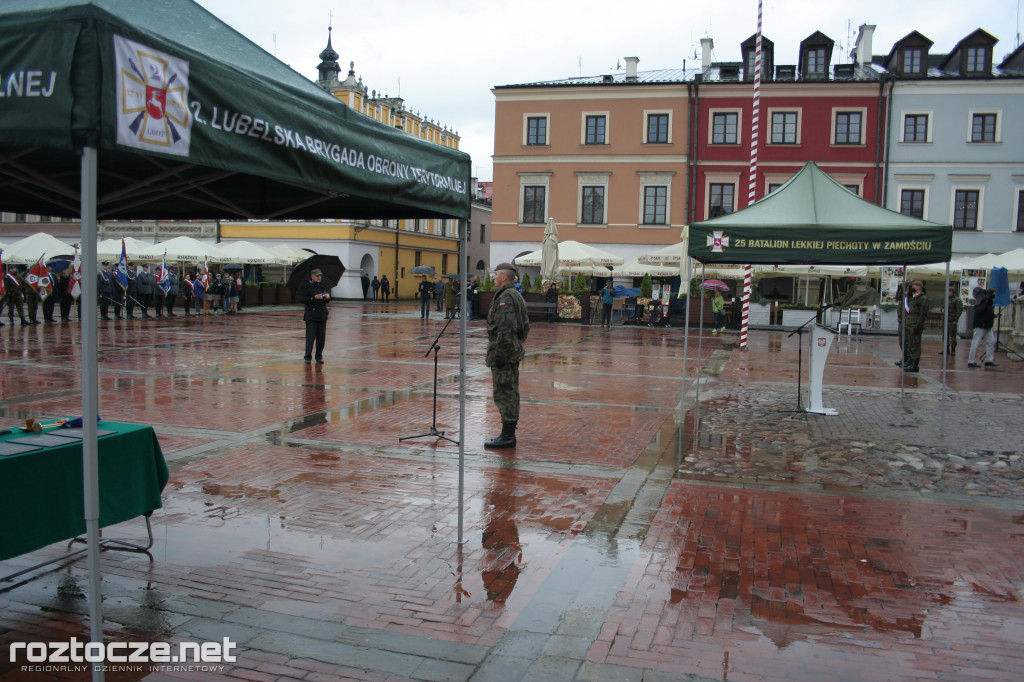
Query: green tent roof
point(814, 219)
point(193, 120)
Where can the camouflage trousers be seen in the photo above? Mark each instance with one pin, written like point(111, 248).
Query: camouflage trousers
point(506, 391)
point(913, 347)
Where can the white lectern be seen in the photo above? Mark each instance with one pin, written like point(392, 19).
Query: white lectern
point(821, 341)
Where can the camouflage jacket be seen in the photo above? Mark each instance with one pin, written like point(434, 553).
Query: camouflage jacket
point(507, 327)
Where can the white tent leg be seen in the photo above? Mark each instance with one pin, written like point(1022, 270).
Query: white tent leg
point(90, 400)
point(945, 353)
point(463, 271)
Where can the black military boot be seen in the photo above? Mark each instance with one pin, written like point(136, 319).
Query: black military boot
point(507, 439)
point(911, 366)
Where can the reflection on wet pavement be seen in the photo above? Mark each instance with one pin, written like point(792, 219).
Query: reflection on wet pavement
point(763, 545)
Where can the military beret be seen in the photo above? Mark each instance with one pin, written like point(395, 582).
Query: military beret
point(507, 266)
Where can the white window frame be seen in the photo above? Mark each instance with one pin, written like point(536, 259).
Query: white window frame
point(1018, 187)
point(982, 111)
point(583, 128)
point(980, 189)
point(917, 112)
point(721, 178)
point(647, 119)
point(739, 127)
point(863, 111)
point(850, 178)
point(655, 179)
point(912, 187)
point(547, 129)
point(592, 179)
point(799, 111)
point(530, 180)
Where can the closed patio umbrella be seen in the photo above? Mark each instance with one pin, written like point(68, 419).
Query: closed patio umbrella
point(549, 252)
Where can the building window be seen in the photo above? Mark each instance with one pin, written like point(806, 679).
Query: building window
point(976, 58)
point(721, 199)
point(595, 130)
point(784, 127)
point(655, 205)
point(1020, 210)
point(816, 61)
point(912, 203)
point(848, 127)
point(983, 128)
point(853, 189)
point(915, 128)
point(483, 228)
point(444, 262)
point(912, 61)
point(965, 210)
point(724, 128)
point(418, 258)
point(533, 203)
point(592, 209)
point(657, 128)
point(536, 130)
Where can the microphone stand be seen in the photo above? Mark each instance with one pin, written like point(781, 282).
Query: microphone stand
point(434, 347)
point(799, 331)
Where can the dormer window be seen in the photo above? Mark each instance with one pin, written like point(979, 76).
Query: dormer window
point(911, 63)
point(816, 61)
point(749, 51)
point(815, 55)
point(976, 59)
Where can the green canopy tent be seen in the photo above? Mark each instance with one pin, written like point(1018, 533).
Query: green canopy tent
point(118, 109)
point(814, 219)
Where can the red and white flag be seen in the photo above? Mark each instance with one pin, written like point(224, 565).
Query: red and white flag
point(75, 281)
point(40, 280)
point(206, 273)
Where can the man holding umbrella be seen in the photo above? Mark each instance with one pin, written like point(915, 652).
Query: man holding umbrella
point(314, 296)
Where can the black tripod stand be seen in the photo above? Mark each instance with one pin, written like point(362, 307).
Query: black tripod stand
point(434, 347)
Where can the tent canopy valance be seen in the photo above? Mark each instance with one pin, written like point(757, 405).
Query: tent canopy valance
point(814, 219)
point(194, 121)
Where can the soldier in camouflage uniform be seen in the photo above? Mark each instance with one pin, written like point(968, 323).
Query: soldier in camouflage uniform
point(915, 319)
point(507, 329)
point(956, 309)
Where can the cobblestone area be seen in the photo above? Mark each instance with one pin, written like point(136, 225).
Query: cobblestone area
point(753, 435)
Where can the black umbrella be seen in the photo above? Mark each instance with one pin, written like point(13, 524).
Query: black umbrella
point(452, 275)
point(423, 270)
point(232, 266)
point(330, 266)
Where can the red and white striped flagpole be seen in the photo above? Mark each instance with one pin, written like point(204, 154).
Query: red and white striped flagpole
point(755, 125)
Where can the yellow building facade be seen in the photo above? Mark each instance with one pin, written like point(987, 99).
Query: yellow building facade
point(374, 247)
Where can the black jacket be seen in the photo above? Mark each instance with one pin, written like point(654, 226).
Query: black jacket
point(984, 313)
point(315, 309)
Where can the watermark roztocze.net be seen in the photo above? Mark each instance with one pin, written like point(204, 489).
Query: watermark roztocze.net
point(119, 653)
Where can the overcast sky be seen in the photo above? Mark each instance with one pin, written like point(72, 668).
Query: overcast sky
point(443, 57)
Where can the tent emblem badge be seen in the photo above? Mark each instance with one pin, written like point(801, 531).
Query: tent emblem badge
point(718, 241)
point(152, 99)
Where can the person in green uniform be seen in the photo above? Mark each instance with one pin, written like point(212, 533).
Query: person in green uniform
point(507, 328)
point(916, 315)
point(956, 309)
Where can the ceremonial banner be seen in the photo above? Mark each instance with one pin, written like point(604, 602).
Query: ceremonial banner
point(39, 279)
point(162, 279)
point(121, 271)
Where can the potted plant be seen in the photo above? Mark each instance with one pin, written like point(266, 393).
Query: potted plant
point(484, 295)
point(250, 294)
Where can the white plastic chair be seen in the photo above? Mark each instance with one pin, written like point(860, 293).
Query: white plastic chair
point(849, 318)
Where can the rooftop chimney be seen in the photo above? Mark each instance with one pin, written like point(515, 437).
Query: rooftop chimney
point(631, 63)
point(706, 45)
point(863, 51)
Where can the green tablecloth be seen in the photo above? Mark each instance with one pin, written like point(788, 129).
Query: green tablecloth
point(41, 497)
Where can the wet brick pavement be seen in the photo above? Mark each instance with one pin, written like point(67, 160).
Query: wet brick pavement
point(614, 543)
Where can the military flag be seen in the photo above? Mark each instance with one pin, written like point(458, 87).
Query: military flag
point(162, 279)
point(40, 280)
point(75, 279)
point(121, 271)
